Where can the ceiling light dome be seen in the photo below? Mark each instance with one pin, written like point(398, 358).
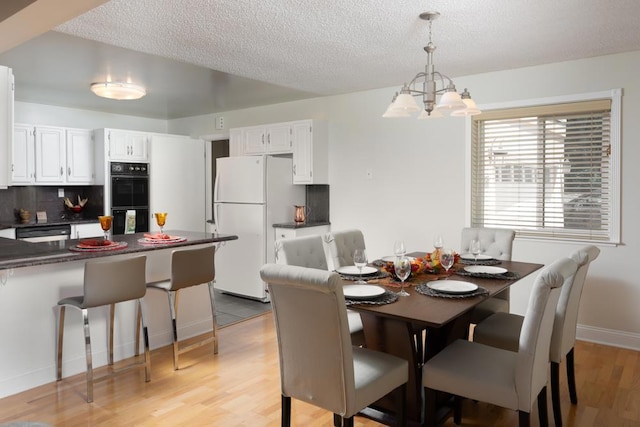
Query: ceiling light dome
point(118, 90)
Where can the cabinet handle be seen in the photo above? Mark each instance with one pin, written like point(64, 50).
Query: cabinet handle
point(61, 171)
point(294, 169)
point(69, 171)
point(263, 139)
point(269, 139)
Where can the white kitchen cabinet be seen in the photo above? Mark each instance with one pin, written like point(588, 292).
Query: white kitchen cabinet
point(23, 161)
point(48, 155)
point(127, 146)
point(236, 142)
point(83, 231)
point(8, 233)
point(80, 156)
point(6, 125)
point(268, 139)
point(289, 233)
point(310, 152)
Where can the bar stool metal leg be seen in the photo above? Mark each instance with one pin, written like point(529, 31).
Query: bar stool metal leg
point(145, 334)
point(87, 347)
point(173, 308)
point(213, 314)
point(112, 315)
point(60, 341)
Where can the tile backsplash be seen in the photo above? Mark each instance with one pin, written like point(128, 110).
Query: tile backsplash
point(40, 198)
point(317, 199)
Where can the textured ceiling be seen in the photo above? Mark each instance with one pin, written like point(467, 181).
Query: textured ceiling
point(324, 47)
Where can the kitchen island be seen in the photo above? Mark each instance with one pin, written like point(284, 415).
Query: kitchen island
point(36, 275)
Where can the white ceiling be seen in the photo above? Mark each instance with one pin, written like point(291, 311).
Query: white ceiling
point(205, 56)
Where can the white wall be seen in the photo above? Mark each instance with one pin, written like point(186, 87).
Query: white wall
point(419, 176)
point(40, 114)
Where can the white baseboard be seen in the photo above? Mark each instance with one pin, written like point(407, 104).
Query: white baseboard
point(610, 337)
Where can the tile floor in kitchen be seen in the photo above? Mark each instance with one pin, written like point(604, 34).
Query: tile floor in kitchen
point(232, 309)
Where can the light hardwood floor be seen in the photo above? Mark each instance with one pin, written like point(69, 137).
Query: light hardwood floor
point(240, 387)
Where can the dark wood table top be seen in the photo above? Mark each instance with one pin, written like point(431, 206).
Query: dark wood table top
point(435, 312)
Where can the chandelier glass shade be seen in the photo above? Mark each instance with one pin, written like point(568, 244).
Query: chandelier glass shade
point(428, 85)
point(118, 90)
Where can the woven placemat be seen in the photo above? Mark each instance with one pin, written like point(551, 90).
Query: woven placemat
point(387, 298)
point(423, 289)
point(509, 275)
point(354, 278)
point(480, 262)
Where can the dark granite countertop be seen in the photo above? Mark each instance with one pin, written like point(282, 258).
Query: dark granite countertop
point(6, 225)
point(301, 224)
point(20, 253)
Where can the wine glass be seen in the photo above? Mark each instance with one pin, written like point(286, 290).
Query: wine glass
point(399, 248)
point(438, 242)
point(360, 261)
point(402, 268)
point(105, 224)
point(446, 259)
point(161, 218)
point(474, 248)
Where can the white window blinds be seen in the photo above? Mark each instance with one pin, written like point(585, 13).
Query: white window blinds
point(545, 171)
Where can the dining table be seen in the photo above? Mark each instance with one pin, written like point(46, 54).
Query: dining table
point(416, 327)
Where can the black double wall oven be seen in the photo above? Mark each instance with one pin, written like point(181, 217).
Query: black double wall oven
point(129, 191)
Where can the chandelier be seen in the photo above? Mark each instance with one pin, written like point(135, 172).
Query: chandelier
point(118, 90)
point(425, 85)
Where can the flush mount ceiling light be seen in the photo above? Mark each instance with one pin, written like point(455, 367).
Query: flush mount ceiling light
point(425, 85)
point(118, 90)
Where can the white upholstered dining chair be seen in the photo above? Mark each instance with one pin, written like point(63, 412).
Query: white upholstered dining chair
point(497, 243)
point(342, 244)
point(309, 251)
point(318, 364)
point(502, 330)
point(512, 380)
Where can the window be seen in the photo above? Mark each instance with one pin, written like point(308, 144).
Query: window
point(548, 168)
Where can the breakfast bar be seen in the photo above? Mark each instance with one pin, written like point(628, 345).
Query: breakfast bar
point(34, 276)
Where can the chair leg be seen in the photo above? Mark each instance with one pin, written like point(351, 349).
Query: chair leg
point(543, 416)
point(571, 377)
point(87, 346)
point(430, 415)
point(173, 307)
point(401, 416)
point(523, 419)
point(213, 314)
point(347, 422)
point(457, 410)
point(555, 393)
point(286, 411)
point(136, 351)
point(63, 309)
point(337, 420)
point(145, 334)
point(112, 316)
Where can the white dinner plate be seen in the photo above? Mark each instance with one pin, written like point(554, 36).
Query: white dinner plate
point(392, 258)
point(360, 292)
point(352, 270)
point(471, 257)
point(485, 269)
point(452, 286)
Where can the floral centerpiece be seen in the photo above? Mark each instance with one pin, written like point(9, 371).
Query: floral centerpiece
point(430, 263)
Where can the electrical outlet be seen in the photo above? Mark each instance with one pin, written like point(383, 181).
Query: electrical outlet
point(60, 192)
point(220, 122)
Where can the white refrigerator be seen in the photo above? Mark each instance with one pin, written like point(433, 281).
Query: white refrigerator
point(251, 193)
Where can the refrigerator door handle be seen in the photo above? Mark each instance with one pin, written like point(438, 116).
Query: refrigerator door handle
point(216, 184)
point(215, 215)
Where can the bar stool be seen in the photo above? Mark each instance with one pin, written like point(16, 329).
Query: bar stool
point(189, 267)
point(107, 283)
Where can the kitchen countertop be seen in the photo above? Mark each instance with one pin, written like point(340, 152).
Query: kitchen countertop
point(20, 253)
point(301, 224)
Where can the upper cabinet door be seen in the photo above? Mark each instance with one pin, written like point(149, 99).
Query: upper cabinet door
point(80, 156)
point(50, 155)
point(23, 162)
point(128, 146)
point(302, 153)
point(254, 140)
point(279, 138)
